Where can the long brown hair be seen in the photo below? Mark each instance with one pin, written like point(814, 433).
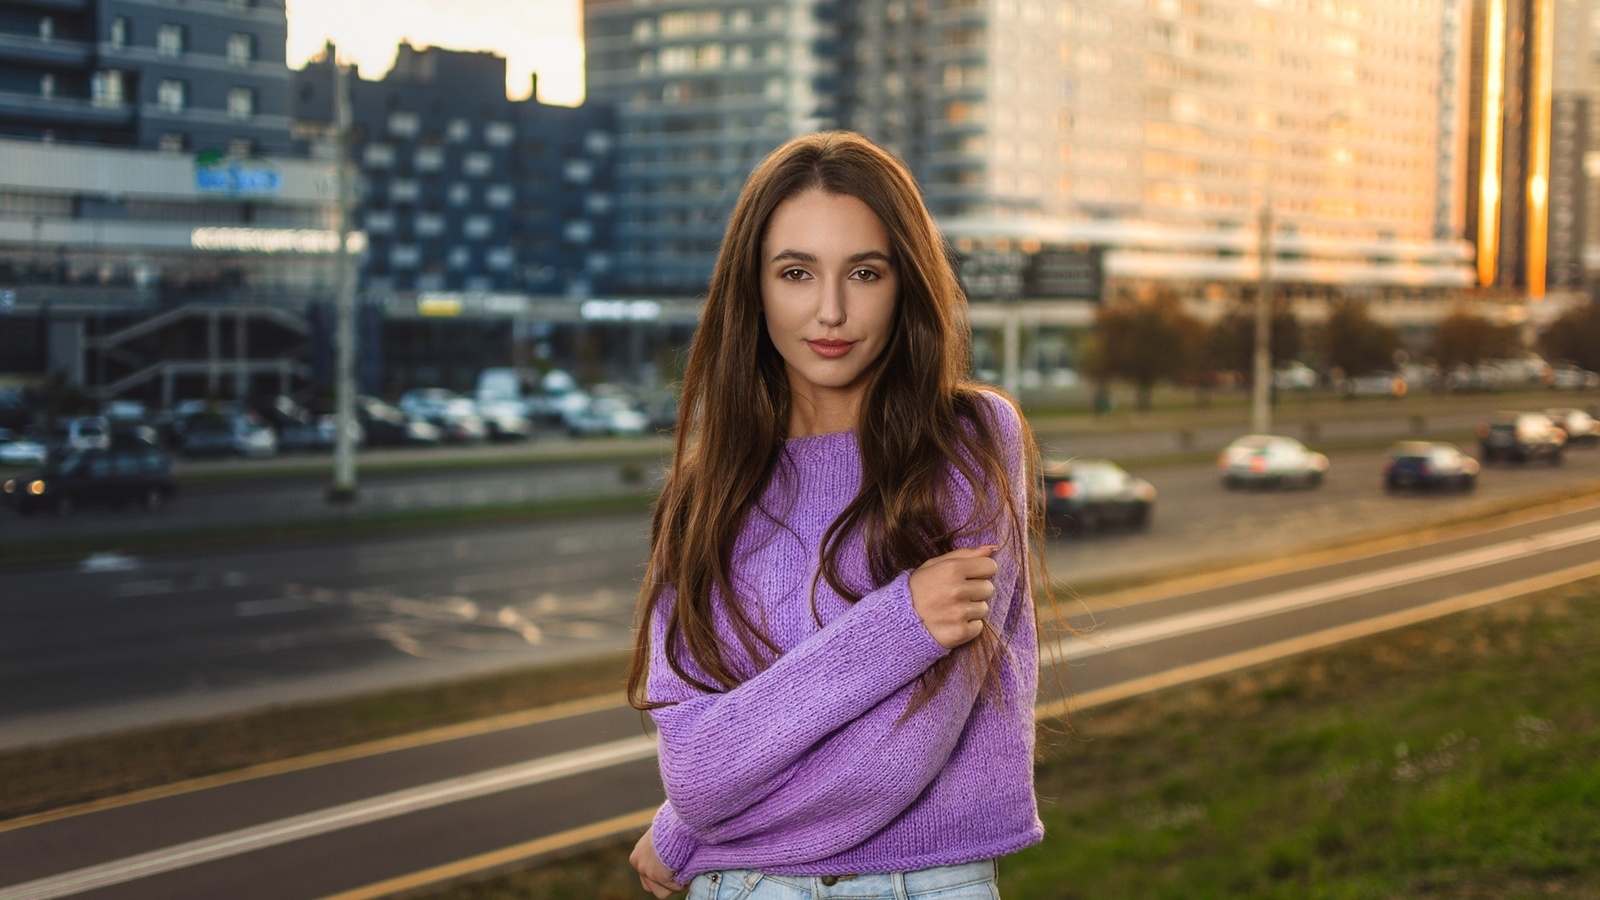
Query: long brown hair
point(926, 419)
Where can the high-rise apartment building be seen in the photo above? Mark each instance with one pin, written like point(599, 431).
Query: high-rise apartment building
point(702, 92)
point(176, 75)
point(1528, 132)
point(1155, 133)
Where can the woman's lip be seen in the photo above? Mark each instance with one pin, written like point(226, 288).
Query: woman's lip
point(830, 349)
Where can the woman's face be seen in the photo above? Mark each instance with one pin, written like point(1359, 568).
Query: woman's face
point(829, 292)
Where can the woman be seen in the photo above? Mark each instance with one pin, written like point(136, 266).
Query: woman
point(837, 643)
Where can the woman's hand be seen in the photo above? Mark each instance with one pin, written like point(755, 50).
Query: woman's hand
point(951, 594)
point(654, 875)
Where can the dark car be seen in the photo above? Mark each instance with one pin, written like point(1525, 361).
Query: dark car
point(1426, 465)
point(1521, 437)
point(1086, 495)
point(115, 477)
point(384, 425)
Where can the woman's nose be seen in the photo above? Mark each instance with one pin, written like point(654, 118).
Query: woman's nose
point(830, 308)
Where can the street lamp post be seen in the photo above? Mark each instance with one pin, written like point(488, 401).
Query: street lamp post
point(1261, 389)
point(343, 489)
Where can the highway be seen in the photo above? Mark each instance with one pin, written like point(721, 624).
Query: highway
point(404, 814)
point(112, 642)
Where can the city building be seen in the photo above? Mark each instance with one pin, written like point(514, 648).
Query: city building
point(137, 272)
point(1066, 149)
point(702, 91)
point(1528, 136)
point(158, 74)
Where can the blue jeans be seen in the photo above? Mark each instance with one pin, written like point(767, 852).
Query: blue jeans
point(969, 881)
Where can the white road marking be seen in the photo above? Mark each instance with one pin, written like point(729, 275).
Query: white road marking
point(1117, 638)
point(348, 815)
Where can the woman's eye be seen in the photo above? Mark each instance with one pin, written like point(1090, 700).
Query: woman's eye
point(793, 274)
point(866, 275)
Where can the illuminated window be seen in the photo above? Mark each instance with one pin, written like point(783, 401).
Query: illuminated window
point(170, 40)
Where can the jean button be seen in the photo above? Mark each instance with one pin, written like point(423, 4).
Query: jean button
point(830, 880)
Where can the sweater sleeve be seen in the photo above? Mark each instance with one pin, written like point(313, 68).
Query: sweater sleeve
point(817, 753)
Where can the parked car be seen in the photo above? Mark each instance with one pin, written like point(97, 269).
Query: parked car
point(16, 450)
point(1579, 426)
point(1266, 460)
point(1295, 376)
point(70, 435)
point(1429, 465)
point(503, 403)
point(455, 416)
point(385, 425)
point(1568, 377)
point(1374, 384)
point(1087, 495)
point(1521, 437)
point(229, 434)
point(115, 477)
point(613, 415)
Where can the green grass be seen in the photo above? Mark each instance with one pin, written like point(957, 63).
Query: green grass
point(1455, 759)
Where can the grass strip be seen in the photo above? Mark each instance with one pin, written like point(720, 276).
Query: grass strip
point(36, 779)
point(322, 468)
point(217, 537)
point(1459, 758)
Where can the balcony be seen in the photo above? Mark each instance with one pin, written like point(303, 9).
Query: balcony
point(30, 48)
point(55, 111)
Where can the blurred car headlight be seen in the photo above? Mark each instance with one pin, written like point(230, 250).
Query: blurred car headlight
point(36, 487)
point(11, 486)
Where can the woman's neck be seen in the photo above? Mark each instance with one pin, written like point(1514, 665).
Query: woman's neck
point(823, 411)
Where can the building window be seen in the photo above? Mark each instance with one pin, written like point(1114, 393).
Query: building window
point(499, 134)
point(47, 28)
point(47, 85)
point(105, 88)
point(170, 40)
point(379, 221)
point(172, 94)
point(498, 196)
point(404, 190)
point(173, 142)
point(460, 257)
point(378, 156)
point(241, 102)
point(477, 164)
point(460, 195)
point(429, 159)
point(405, 256)
point(458, 131)
point(241, 148)
point(429, 225)
point(404, 124)
point(119, 35)
point(241, 49)
point(477, 227)
point(499, 258)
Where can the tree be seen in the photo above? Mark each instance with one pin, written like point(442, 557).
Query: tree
point(1462, 337)
point(1354, 341)
point(1144, 341)
point(1574, 337)
point(1231, 345)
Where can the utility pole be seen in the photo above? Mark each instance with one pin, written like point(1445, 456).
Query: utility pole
point(1261, 389)
point(343, 489)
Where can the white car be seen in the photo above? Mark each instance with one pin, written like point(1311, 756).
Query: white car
point(15, 450)
point(1266, 460)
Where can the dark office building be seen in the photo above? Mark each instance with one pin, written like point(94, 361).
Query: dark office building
point(158, 74)
point(466, 190)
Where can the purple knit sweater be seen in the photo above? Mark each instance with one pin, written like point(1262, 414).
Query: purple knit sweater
point(806, 768)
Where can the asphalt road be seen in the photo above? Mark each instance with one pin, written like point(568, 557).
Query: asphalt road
point(384, 821)
point(113, 642)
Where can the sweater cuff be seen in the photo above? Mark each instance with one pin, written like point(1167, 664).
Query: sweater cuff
point(918, 640)
point(673, 842)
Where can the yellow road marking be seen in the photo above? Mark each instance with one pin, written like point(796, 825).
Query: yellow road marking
point(565, 840)
point(326, 757)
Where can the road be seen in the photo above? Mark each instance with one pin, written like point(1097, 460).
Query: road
point(398, 817)
point(114, 642)
point(544, 470)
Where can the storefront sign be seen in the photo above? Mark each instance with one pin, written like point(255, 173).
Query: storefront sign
point(620, 310)
point(273, 240)
point(236, 178)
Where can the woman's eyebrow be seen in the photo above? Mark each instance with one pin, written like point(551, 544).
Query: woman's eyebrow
point(802, 256)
